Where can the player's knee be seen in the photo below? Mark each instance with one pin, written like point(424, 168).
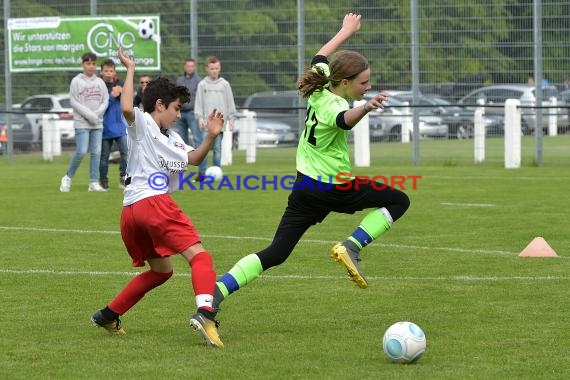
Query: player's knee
point(405, 202)
point(163, 277)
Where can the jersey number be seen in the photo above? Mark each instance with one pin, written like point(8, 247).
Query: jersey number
point(313, 118)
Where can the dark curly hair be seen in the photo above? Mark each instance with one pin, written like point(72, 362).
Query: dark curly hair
point(165, 90)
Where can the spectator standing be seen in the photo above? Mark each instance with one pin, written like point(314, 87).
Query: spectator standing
point(89, 100)
point(143, 81)
point(190, 80)
point(114, 128)
point(214, 92)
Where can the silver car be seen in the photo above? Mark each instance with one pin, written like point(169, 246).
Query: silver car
point(56, 106)
point(495, 97)
point(461, 122)
point(386, 124)
point(21, 130)
point(269, 133)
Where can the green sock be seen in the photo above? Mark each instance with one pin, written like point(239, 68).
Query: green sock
point(374, 224)
point(242, 273)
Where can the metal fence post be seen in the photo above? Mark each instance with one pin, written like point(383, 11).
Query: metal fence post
point(47, 137)
point(247, 138)
point(227, 142)
point(479, 136)
point(362, 139)
point(407, 124)
point(553, 117)
point(512, 134)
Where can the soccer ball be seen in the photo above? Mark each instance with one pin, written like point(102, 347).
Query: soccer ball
point(214, 173)
point(404, 342)
point(146, 28)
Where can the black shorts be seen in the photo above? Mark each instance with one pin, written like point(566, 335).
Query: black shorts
point(313, 200)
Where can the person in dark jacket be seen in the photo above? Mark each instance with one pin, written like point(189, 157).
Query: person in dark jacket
point(143, 81)
point(114, 127)
point(188, 121)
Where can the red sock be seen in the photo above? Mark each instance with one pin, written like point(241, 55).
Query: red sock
point(203, 275)
point(136, 289)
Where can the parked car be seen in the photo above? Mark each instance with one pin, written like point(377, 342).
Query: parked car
point(386, 124)
point(21, 130)
point(278, 106)
point(497, 95)
point(276, 118)
point(461, 121)
point(269, 133)
point(57, 106)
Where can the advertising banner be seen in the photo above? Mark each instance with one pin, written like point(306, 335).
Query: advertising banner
point(57, 43)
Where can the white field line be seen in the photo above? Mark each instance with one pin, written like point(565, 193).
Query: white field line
point(49, 272)
point(467, 204)
point(311, 241)
point(284, 277)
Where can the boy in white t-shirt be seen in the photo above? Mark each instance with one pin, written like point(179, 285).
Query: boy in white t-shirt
point(153, 227)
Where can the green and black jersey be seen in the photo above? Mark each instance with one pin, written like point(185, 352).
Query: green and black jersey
point(322, 153)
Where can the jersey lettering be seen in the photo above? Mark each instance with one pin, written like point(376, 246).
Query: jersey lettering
point(311, 116)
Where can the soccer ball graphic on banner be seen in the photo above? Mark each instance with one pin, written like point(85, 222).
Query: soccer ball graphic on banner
point(146, 28)
point(404, 342)
point(214, 173)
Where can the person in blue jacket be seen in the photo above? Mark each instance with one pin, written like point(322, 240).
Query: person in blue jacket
point(114, 127)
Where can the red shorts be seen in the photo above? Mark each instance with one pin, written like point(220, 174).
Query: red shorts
point(156, 227)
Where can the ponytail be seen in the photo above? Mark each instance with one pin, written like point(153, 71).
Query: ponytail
point(314, 79)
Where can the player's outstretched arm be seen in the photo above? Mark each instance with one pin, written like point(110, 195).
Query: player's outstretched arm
point(128, 93)
point(350, 25)
point(214, 128)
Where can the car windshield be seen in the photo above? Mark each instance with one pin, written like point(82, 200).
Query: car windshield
point(392, 102)
point(65, 103)
point(440, 101)
point(444, 103)
point(271, 102)
point(16, 117)
point(550, 92)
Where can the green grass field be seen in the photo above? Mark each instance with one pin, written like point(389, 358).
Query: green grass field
point(450, 265)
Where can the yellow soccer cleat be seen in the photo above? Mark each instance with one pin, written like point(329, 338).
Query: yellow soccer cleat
point(113, 327)
point(349, 259)
point(208, 328)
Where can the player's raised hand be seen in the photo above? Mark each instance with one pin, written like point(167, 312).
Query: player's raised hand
point(351, 22)
point(215, 122)
point(125, 59)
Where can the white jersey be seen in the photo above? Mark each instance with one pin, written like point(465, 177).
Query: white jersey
point(155, 162)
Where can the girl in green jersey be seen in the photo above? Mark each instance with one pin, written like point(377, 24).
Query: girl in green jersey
point(322, 164)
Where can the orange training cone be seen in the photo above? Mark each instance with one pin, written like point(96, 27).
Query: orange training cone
point(3, 135)
point(538, 247)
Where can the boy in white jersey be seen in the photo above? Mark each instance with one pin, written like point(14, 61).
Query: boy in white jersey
point(153, 227)
point(322, 158)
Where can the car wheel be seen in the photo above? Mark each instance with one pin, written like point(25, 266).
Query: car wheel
point(395, 133)
point(525, 130)
point(464, 132)
point(235, 141)
point(24, 147)
point(453, 131)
